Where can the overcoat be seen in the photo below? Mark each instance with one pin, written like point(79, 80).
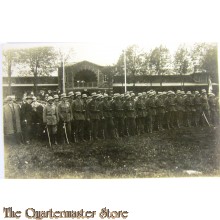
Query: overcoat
point(12, 122)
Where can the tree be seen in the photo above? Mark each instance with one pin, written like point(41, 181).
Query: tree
point(210, 62)
point(108, 72)
point(182, 60)
point(9, 56)
point(160, 60)
point(40, 61)
point(135, 62)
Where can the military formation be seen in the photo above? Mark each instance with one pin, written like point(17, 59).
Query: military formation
point(75, 117)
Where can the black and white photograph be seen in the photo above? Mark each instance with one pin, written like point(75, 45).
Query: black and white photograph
point(102, 110)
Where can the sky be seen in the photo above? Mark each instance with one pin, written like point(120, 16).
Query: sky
point(103, 53)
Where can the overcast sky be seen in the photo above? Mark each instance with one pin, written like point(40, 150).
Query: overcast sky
point(103, 53)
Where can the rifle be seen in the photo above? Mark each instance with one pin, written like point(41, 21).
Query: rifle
point(48, 135)
point(64, 126)
point(206, 119)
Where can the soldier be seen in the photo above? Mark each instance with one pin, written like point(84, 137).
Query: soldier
point(150, 105)
point(141, 113)
point(87, 124)
point(171, 110)
point(65, 117)
point(12, 125)
point(189, 108)
point(205, 107)
point(108, 116)
point(37, 118)
point(198, 109)
point(56, 100)
point(118, 112)
point(179, 103)
point(26, 118)
point(94, 115)
point(213, 109)
point(78, 109)
point(160, 110)
point(130, 115)
point(51, 119)
point(101, 125)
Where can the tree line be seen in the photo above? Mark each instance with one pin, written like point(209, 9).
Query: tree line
point(44, 61)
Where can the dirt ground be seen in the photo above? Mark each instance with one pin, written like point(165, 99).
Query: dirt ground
point(172, 153)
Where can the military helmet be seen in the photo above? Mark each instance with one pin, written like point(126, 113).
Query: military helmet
point(84, 96)
point(188, 93)
point(63, 95)
point(56, 97)
point(70, 94)
point(78, 93)
point(29, 97)
point(50, 98)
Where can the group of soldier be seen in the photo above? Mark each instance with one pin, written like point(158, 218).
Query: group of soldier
point(76, 117)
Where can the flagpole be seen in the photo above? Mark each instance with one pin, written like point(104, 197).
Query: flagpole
point(64, 89)
point(125, 71)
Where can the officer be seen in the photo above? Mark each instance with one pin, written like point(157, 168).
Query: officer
point(78, 109)
point(94, 115)
point(26, 118)
point(51, 119)
point(37, 118)
point(65, 117)
point(12, 124)
point(141, 113)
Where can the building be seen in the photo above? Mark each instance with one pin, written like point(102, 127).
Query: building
point(83, 76)
point(88, 77)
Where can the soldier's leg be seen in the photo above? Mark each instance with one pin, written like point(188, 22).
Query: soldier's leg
point(133, 126)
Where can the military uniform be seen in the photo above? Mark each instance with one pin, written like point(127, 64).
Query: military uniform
point(213, 109)
point(189, 106)
point(94, 115)
point(150, 104)
point(130, 115)
point(51, 119)
point(205, 106)
point(108, 116)
point(141, 114)
point(198, 109)
point(118, 112)
point(160, 111)
point(65, 117)
point(78, 109)
point(171, 110)
point(179, 103)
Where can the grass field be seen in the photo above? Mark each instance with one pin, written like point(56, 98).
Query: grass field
point(173, 153)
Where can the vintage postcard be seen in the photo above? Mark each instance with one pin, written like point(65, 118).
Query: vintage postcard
point(84, 110)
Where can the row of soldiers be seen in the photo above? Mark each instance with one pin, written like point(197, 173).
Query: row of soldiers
point(79, 118)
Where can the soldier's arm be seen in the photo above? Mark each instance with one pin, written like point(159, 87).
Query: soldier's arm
point(59, 113)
